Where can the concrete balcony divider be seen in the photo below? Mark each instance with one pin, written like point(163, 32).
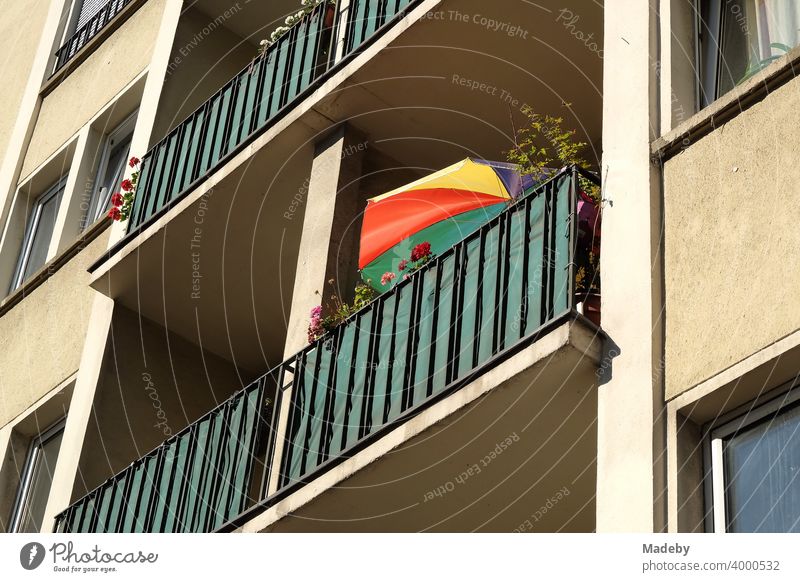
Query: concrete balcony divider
point(491, 295)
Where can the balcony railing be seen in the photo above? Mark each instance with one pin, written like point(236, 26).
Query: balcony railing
point(88, 31)
point(490, 295)
point(254, 99)
point(194, 482)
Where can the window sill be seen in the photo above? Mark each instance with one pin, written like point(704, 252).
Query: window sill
point(726, 107)
point(86, 50)
point(51, 268)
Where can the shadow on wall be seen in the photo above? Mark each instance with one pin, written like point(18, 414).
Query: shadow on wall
point(152, 385)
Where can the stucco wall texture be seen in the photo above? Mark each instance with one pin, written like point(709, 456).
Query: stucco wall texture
point(95, 82)
point(41, 338)
point(20, 32)
point(732, 241)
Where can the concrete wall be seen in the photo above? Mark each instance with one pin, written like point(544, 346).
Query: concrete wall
point(41, 338)
point(20, 31)
point(94, 83)
point(152, 385)
point(732, 240)
point(205, 56)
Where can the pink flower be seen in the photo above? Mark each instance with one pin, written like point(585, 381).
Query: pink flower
point(403, 264)
point(127, 185)
point(387, 278)
point(134, 162)
point(421, 251)
point(316, 312)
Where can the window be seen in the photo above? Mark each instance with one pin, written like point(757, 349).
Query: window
point(112, 166)
point(38, 233)
point(36, 479)
point(755, 464)
point(738, 38)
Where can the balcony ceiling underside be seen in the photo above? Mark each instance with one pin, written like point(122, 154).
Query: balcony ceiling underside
point(404, 99)
point(493, 464)
point(251, 21)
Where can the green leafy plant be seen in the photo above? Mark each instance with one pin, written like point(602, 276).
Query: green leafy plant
point(544, 144)
point(337, 311)
point(756, 64)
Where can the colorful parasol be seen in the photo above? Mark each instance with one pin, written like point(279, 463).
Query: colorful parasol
point(440, 209)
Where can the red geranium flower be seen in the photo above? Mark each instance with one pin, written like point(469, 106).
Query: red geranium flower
point(127, 185)
point(117, 199)
point(421, 251)
point(114, 213)
point(134, 162)
point(403, 264)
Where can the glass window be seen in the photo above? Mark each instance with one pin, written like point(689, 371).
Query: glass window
point(759, 462)
point(112, 167)
point(37, 477)
point(738, 38)
point(38, 233)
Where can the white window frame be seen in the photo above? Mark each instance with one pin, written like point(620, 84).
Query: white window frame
point(100, 200)
point(55, 190)
point(25, 482)
point(740, 419)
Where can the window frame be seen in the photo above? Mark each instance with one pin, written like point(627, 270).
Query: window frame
point(54, 191)
point(782, 399)
point(124, 130)
point(26, 478)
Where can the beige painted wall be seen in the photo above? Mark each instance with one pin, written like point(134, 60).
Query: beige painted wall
point(731, 208)
point(20, 31)
point(152, 385)
point(94, 83)
point(41, 338)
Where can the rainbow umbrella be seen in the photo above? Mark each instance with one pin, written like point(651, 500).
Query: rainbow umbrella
point(440, 209)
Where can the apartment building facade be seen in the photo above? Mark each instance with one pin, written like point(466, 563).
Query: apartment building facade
point(156, 372)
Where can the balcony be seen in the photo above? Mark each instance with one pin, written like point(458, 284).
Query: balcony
point(90, 30)
point(254, 99)
point(483, 302)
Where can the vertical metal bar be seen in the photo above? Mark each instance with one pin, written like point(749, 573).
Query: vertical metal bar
point(365, 422)
point(476, 342)
point(180, 502)
point(272, 432)
point(526, 253)
point(573, 237)
point(350, 386)
point(257, 99)
point(181, 130)
point(330, 399)
point(252, 446)
point(213, 504)
point(454, 344)
point(506, 258)
point(227, 128)
point(151, 502)
point(434, 328)
point(229, 498)
point(412, 348)
point(496, 309)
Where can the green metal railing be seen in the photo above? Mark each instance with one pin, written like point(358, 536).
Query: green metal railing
point(246, 105)
point(194, 482)
point(493, 293)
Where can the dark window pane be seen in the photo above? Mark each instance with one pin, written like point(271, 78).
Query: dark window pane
point(43, 462)
point(41, 233)
point(762, 466)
